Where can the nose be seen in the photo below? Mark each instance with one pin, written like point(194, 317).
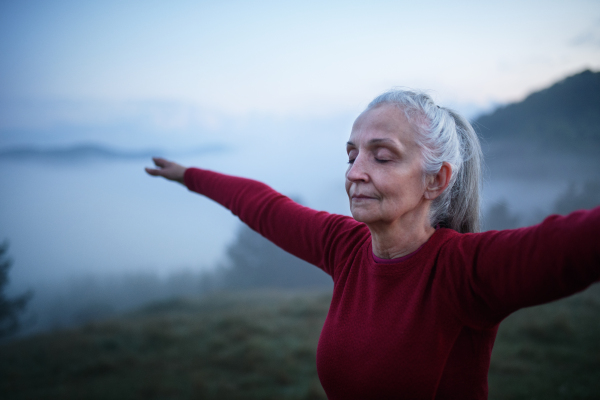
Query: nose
point(357, 171)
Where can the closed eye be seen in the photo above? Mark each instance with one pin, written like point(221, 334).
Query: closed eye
point(352, 154)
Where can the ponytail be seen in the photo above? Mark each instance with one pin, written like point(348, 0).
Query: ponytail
point(463, 214)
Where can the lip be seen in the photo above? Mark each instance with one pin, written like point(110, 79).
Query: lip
point(362, 197)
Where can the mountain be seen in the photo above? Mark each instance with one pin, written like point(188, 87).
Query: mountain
point(565, 115)
point(73, 153)
point(87, 152)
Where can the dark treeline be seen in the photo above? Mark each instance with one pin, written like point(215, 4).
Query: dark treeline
point(576, 197)
point(255, 262)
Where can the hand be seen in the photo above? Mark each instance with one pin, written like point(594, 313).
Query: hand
point(167, 169)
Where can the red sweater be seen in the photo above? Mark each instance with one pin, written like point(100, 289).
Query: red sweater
point(424, 327)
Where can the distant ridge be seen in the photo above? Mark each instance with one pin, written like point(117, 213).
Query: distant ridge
point(79, 152)
point(88, 152)
point(567, 114)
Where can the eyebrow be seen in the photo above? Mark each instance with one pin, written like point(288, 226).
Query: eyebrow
point(374, 141)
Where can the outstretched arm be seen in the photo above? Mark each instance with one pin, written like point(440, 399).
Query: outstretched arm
point(167, 169)
point(498, 272)
point(314, 236)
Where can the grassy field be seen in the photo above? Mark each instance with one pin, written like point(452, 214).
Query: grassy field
point(262, 346)
point(550, 351)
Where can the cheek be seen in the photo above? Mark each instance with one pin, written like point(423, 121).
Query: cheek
point(415, 188)
point(400, 188)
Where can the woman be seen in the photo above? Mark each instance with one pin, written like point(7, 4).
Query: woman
point(418, 293)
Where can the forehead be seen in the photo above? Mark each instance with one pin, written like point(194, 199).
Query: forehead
point(386, 121)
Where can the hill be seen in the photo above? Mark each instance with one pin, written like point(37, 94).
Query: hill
point(90, 152)
point(567, 114)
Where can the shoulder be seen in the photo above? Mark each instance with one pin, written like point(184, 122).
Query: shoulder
point(344, 233)
point(576, 228)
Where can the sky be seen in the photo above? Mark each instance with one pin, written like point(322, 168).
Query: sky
point(277, 85)
point(166, 69)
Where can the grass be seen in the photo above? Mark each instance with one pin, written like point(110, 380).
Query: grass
point(550, 351)
point(250, 346)
point(262, 346)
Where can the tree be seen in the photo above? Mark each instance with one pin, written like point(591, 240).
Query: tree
point(574, 198)
point(255, 262)
point(9, 308)
point(499, 217)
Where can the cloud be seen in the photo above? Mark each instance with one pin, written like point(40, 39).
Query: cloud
point(589, 37)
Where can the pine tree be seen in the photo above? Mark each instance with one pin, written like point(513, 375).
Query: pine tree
point(9, 308)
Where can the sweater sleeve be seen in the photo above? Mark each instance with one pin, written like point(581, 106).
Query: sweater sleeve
point(498, 272)
point(308, 234)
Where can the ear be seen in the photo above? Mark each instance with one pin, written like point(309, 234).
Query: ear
point(436, 184)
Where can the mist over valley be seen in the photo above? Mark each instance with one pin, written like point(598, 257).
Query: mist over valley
point(92, 235)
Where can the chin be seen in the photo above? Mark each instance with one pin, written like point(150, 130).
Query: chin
point(362, 216)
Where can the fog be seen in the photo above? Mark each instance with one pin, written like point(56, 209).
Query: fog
point(103, 218)
point(529, 178)
point(95, 236)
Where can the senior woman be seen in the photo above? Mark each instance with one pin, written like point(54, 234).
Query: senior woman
point(418, 292)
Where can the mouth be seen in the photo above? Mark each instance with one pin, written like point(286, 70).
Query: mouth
point(362, 197)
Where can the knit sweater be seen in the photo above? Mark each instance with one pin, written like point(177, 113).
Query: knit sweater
point(424, 327)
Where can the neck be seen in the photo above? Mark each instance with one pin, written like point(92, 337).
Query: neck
point(400, 238)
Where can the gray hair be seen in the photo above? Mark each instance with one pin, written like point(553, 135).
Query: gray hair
point(444, 136)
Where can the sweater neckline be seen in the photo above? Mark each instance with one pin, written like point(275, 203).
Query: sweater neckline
point(402, 265)
point(379, 260)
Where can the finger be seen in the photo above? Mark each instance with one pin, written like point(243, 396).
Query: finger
point(160, 162)
point(153, 172)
